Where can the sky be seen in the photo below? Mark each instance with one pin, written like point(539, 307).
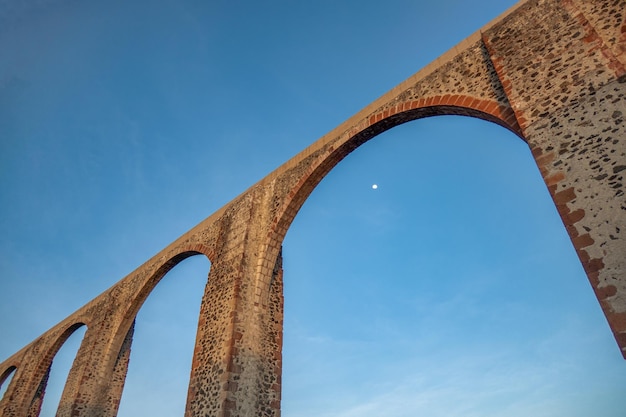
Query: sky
point(451, 289)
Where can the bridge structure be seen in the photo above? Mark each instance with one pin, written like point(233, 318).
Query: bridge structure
point(551, 71)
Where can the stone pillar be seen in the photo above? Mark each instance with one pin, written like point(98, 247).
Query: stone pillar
point(113, 394)
point(274, 334)
point(85, 395)
point(237, 359)
point(37, 401)
point(236, 363)
point(558, 66)
point(581, 153)
point(24, 396)
point(211, 366)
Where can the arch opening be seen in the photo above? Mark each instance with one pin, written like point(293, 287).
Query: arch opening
point(451, 288)
point(164, 338)
point(383, 122)
point(55, 381)
point(5, 379)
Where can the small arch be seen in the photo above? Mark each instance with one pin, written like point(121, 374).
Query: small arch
point(161, 272)
point(152, 282)
point(60, 367)
point(165, 326)
point(39, 383)
point(5, 380)
point(125, 330)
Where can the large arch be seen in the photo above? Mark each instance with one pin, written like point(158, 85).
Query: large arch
point(326, 293)
point(379, 123)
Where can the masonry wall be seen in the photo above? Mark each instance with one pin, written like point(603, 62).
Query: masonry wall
point(552, 71)
point(565, 77)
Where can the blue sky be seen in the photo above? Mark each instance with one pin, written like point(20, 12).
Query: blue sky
point(452, 289)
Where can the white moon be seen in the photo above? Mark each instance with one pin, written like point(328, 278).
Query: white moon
point(374, 186)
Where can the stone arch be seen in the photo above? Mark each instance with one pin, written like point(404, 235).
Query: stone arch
point(7, 376)
point(379, 122)
point(504, 74)
point(38, 382)
point(118, 349)
point(6, 373)
point(144, 291)
point(324, 287)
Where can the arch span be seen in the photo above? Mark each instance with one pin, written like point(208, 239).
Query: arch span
point(163, 342)
point(38, 384)
point(148, 286)
point(114, 357)
point(379, 123)
point(5, 378)
point(5, 374)
point(353, 255)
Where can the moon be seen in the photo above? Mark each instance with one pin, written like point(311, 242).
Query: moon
point(374, 186)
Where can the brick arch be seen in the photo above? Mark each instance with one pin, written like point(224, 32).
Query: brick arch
point(377, 123)
point(448, 104)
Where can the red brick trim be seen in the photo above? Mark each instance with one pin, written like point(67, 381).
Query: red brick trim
point(507, 86)
point(592, 267)
point(491, 109)
point(447, 104)
point(594, 38)
point(200, 249)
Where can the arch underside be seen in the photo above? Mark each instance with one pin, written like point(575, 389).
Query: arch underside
point(379, 125)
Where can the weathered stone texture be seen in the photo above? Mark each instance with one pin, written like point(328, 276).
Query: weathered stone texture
point(552, 71)
point(608, 19)
point(569, 92)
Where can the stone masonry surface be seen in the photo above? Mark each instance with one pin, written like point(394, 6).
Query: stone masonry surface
point(551, 71)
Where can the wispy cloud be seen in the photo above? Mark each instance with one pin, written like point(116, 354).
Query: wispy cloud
point(544, 378)
point(476, 386)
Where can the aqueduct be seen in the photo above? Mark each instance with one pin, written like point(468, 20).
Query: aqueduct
point(552, 71)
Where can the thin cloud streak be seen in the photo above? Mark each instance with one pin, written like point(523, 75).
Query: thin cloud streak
point(478, 384)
